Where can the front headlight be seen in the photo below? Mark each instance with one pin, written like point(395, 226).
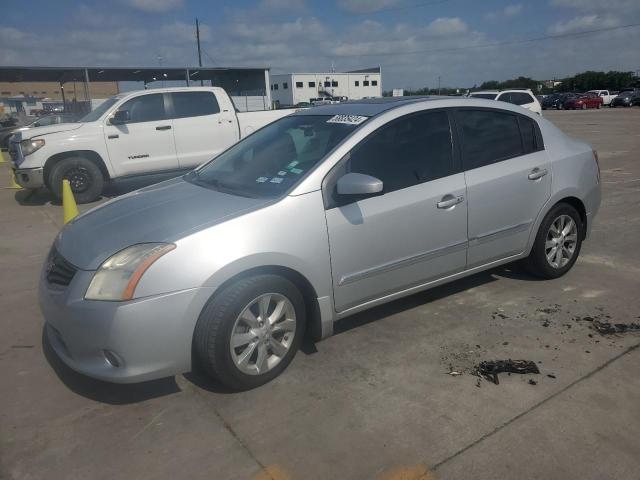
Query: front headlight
point(118, 276)
point(29, 146)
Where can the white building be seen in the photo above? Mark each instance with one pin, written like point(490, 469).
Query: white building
point(293, 88)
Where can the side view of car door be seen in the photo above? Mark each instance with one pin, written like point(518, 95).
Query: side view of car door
point(508, 177)
point(143, 141)
point(200, 129)
point(412, 232)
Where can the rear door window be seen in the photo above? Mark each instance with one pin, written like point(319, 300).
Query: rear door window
point(521, 98)
point(488, 136)
point(194, 104)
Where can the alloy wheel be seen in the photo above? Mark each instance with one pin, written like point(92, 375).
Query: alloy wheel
point(561, 241)
point(263, 334)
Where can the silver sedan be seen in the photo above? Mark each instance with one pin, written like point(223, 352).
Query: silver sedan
point(322, 214)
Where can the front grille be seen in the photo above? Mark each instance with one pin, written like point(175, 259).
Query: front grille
point(59, 271)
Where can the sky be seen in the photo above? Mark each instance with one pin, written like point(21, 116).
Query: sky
point(464, 42)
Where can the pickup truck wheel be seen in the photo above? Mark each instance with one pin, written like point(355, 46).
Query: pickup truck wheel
point(84, 176)
point(249, 332)
point(557, 244)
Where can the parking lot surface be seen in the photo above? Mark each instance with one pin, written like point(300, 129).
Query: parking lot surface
point(375, 401)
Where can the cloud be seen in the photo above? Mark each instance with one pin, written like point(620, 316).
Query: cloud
point(580, 24)
point(366, 6)
point(155, 6)
point(287, 5)
point(506, 12)
point(598, 5)
point(186, 32)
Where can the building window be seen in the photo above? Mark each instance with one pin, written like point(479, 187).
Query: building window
point(312, 84)
point(56, 91)
point(374, 83)
point(334, 83)
point(299, 84)
point(285, 85)
point(21, 93)
point(275, 86)
point(44, 93)
point(6, 93)
point(365, 83)
point(271, 87)
point(357, 83)
point(327, 83)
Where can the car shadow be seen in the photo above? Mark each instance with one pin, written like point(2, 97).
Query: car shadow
point(105, 392)
point(42, 196)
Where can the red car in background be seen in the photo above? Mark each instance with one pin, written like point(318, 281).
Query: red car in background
point(588, 100)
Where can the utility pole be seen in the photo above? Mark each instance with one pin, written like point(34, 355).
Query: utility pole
point(199, 53)
point(438, 84)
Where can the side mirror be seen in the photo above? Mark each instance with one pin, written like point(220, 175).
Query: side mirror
point(359, 184)
point(120, 117)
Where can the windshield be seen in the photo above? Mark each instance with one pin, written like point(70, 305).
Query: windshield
point(97, 112)
point(488, 96)
point(271, 161)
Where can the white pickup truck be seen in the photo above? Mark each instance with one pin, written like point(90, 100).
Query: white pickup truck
point(133, 133)
point(606, 95)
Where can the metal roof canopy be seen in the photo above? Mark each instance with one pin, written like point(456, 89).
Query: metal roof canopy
point(232, 79)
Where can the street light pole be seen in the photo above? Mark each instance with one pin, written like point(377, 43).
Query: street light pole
point(199, 53)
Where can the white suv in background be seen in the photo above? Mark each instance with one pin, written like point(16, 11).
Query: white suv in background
point(523, 97)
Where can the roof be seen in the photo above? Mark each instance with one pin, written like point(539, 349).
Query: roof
point(367, 107)
point(118, 74)
point(363, 71)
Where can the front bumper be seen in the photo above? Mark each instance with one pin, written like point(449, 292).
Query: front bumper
point(29, 177)
point(121, 342)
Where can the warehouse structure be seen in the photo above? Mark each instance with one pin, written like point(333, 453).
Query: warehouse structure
point(294, 88)
point(248, 87)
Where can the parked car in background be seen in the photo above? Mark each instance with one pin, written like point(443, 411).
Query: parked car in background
point(524, 98)
point(606, 96)
point(135, 133)
point(582, 102)
point(626, 98)
point(44, 121)
point(8, 125)
point(555, 100)
point(319, 215)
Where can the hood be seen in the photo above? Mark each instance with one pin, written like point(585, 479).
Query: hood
point(39, 131)
point(164, 212)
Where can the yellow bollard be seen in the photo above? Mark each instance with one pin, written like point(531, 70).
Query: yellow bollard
point(69, 207)
point(13, 185)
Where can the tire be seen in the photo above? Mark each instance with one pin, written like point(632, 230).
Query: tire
point(85, 177)
point(221, 318)
point(537, 263)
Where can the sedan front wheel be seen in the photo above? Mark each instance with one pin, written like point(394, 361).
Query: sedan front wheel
point(250, 331)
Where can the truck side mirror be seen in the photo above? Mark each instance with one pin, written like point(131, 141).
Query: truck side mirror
point(120, 117)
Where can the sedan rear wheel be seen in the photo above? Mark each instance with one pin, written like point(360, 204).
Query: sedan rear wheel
point(250, 331)
point(557, 244)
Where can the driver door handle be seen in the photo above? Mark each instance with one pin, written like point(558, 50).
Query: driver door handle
point(449, 201)
point(537, 173)
point(164, 127)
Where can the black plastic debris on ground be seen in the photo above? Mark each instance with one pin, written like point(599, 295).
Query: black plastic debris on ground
point(489, 370)
point(606, 328)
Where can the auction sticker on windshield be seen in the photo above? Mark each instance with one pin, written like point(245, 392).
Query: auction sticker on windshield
point(348, 119)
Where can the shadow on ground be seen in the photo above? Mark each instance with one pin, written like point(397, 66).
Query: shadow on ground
point(42, 196)
point(105, 392)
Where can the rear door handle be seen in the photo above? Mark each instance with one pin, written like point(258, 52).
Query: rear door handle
point(537, 173)
point(110, 137)
point(164, 127)
point(449, 201)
